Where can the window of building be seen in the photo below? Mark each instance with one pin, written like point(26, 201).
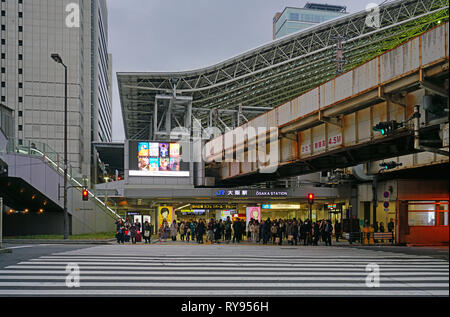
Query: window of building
point(3, 13)
point(20, 99)
point(20, 127)
point(427, 213)
point(3, 41)
point(3, 55)
point(20, 28)
point(3, 84)
point(294, 16)
point(20, 113)
point(20, 71)
point(20, 43)
point(3, 70)
point(3, 27)
point(20, 57)
point(20, 14)
point(20, 85)
point(3, 99)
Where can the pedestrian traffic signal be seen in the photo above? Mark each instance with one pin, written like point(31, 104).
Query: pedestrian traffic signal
point(386, 128)
point(310, 198)
point(390, 165)
point(85, 195)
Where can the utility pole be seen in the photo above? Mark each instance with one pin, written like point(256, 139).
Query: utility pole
point(57, 58)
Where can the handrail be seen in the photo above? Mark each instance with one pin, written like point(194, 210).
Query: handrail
point(33, 150)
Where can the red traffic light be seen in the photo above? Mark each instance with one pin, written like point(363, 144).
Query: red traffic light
point(85, 195)
point(310, 198)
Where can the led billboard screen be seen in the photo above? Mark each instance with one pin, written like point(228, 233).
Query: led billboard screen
point(156, 159)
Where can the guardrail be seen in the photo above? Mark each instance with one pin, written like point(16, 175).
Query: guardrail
point(370, 238)
point(54, 161)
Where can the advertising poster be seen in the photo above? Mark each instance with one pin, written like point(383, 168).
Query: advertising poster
point(164, 150)
point(164, 164)
point(143, 149)
point(174, 164)
point(154, 150)
point(165, 213)
point(253, 213)
point(174, 150)
point(143, 164)
point(153, 164)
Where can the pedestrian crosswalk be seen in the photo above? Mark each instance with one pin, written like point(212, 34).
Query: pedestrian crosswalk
point(333, 272)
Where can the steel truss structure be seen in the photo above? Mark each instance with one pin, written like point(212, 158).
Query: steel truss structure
point(229, 93)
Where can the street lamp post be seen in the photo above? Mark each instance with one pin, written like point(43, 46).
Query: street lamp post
point(59, 60)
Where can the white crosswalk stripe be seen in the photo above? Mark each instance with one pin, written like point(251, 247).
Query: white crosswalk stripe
point(309, 273)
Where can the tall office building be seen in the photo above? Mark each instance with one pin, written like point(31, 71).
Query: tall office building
point(32, 84)
point(295, 19)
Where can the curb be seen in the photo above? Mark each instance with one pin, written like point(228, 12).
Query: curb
point(45, 241)
point(5, 250)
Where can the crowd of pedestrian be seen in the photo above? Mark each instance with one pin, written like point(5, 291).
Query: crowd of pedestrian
point(277, 231)
point(127, 231)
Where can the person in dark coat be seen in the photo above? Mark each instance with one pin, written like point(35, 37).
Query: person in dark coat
point(316, 233)
point(228, 229)
point(337, 230)
point(133, 231)
point(200, 230)
point(295, 231)
point(328, 228)
point(147, 232)
point(267, 226)
point(120, 231)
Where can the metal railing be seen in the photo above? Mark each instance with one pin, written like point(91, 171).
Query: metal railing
point(370, 238)
point(55, 161)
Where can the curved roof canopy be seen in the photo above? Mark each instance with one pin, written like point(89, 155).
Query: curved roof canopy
point(272, 74)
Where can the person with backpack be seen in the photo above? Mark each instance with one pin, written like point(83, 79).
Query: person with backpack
point(228, 229)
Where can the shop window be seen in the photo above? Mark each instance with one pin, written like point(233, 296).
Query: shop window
point(421, 219)
point(427, 213)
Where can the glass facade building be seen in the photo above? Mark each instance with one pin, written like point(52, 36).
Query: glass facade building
point(292, 19)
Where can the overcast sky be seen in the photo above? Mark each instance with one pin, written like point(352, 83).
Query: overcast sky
point(174, 35)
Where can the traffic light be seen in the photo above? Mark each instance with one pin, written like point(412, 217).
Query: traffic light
point(386, 128)
point(390, 165)
point(85, 195)
point(310, 198)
